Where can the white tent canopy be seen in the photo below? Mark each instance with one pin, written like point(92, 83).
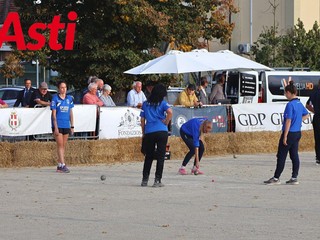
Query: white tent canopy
point(196, 61)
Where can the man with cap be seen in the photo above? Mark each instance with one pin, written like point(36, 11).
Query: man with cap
point(41, 97)
point(188, 97)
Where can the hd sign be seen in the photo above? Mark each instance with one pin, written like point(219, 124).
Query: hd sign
point(262, 117)
point(38, 40)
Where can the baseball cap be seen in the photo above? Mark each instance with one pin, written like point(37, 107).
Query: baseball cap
point(44, 85)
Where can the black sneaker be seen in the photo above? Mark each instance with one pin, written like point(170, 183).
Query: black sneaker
point(144, 183)
point(317, 162)
point(292, 181)
point(63, 169)
point(272, 181)
point(157, 183)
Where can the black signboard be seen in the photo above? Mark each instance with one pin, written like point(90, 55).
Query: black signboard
point(248, 85)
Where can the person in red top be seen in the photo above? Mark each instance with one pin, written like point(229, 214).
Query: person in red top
point(3, 104)
point(91, 96)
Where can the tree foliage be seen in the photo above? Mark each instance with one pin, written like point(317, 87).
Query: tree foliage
point(12, 68)
point(116, 35)
point(297, 48)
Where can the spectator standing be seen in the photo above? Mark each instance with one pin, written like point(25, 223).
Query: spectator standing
point(3, 104)
point(100, 84)
point(106, 98)
point(192, 133)
point(155, 117)
point(188, 97)
point(217, 91)
point(203, 97)
point(62, 123)
point(41, 97)
point(135, 96)
point(91, 96)
point(313, 105)
point(293, 116)
point(149, 87)
point(24, 95)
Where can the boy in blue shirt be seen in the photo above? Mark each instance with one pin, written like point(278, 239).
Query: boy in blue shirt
point(294, 114)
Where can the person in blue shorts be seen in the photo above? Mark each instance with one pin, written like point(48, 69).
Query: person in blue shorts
point(62, 122)
point(192, 133)
point(293, 116)
point(155, 117)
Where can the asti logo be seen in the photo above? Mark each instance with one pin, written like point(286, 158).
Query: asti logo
point(14, 121)
point(38, 40)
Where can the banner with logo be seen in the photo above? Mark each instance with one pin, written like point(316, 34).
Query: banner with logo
point(216, 114)
point(25, 121)
point(262, 117)
point(119, 122)
point(32, 121)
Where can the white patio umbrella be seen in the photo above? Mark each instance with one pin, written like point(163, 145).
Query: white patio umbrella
point(227, 60)
point(196, 61)
point(173, 62)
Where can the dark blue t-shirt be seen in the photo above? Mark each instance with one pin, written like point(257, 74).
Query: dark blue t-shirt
point(154, 114)
point(192, 128)
point(62, 107)
point(294, 110)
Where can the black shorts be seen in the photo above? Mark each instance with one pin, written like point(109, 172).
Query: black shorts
point(63, 131)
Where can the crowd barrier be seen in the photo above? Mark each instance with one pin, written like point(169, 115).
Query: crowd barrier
point(124, 122)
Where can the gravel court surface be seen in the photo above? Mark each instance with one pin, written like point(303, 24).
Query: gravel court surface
point(38, 203)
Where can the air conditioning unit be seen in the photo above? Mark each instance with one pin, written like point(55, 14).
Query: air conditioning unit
point(244, 47)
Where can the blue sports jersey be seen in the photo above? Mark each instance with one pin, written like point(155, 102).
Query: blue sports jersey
point(192, 128)
point(294, 110)
point(154, 116)
point(62, 107)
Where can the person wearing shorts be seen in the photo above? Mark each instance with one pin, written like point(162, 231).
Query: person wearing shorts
point(62, 123)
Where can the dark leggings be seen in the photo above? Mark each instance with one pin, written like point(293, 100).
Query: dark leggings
point(291, 147)
point(152, 140)
point(189, 142)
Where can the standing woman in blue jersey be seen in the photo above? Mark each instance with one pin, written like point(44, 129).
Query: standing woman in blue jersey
point(155, 117)
point(62, 122)
point(191, 133)
point(293, 116)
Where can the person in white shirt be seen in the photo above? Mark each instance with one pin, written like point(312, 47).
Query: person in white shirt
point(136, 97)
point(106, 98)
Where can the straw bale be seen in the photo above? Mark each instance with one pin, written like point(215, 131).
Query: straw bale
point(217, 144)
point(6, 150)
point(79, 152)
point(33, 153)
point(307, 141)
point(255, 142)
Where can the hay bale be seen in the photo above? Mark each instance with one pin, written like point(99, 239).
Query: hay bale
point(217, 144)
point(6, 153)
point(307, 141)
point(34, 154)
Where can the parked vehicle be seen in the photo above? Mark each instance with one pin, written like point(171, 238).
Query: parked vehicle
point(267, 86)
point(10, 94)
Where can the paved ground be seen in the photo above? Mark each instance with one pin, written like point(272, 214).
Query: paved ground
point(42, 204)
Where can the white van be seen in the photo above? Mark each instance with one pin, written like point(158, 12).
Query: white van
point(274, 82)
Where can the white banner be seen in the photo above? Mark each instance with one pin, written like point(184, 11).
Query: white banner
point(262, 117)
point(85, 117)
point(25, 121)
point(32, 121)
point(119, 122)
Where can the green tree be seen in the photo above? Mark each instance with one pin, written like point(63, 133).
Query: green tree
point(12, 68)
point(113, 36)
